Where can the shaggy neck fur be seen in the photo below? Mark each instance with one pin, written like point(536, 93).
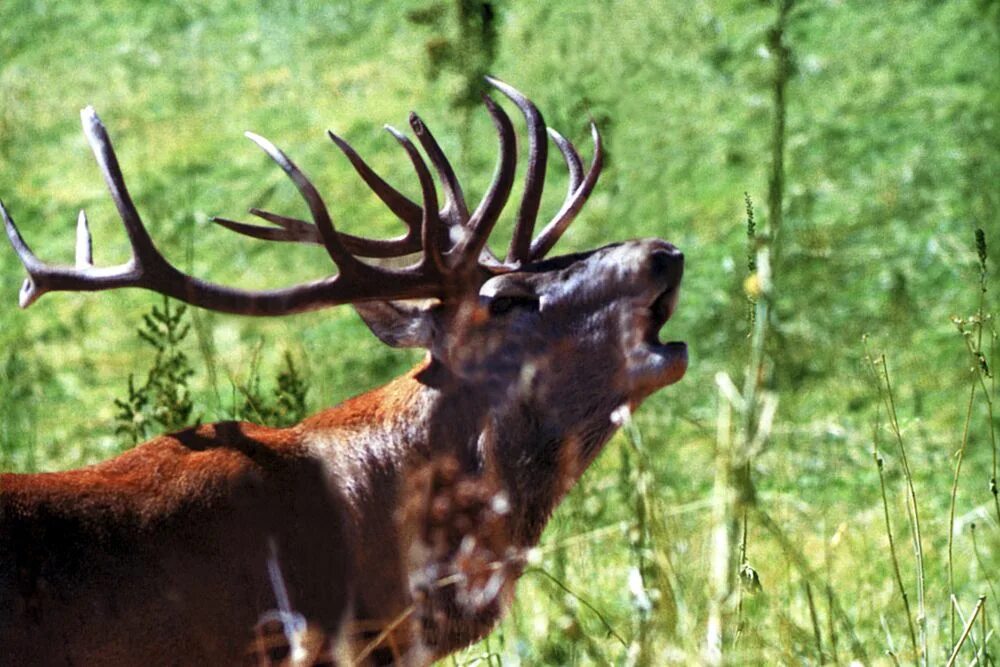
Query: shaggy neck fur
point(428, 413)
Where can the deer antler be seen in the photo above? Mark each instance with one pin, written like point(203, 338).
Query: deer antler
point(522, 248)
point(454, 212)
point(451, 242)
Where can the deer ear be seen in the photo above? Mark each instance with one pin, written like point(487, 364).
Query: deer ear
point(398, 323)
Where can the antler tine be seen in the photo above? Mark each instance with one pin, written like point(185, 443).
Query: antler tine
point(84, 244)
point(431, 226)
point(346, 263)
point(292, 230)
point(455, 210)
point(573, 162)
point(534, 179)
point(401, 205)
point(574, 201)
point(488, 212)
point(143, 250)
point(29, 290)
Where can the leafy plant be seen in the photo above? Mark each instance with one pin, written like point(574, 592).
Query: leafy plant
point(284, 405)
point(464, 43)
point(163, 401)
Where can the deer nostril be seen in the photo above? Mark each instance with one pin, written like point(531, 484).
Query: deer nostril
point(668, 264)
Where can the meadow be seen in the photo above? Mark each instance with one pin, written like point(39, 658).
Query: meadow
point(821, 486)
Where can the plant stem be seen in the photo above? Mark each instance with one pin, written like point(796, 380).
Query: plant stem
point(966, 631)
point(782, 71)
point(795, 555)
point(979, 561)
point(892, 551)
point(880, 463)
point(817, 634)
point(953, 502)
point(723, 529)
point(913, 512)
point(582, 600)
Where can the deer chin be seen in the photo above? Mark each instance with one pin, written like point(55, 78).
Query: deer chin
point(653, 364)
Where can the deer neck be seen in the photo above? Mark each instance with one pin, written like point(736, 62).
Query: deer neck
point(538, 461)
point(519, 445)
point(377, 437)
point(375, 444)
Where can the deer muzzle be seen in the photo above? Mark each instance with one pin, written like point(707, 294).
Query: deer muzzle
point(654, 364)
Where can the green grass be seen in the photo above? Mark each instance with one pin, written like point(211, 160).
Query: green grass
point(891, 164)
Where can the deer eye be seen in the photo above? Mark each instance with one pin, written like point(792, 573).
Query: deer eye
point(503, 304)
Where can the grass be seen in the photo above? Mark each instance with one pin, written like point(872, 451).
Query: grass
point(890, 165)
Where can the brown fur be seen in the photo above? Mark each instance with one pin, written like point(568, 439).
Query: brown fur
point(159, 556)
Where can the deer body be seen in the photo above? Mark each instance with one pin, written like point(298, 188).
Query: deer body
point(155, 557)
point(394, 524)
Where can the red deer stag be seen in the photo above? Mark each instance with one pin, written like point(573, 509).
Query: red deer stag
point(391, 527)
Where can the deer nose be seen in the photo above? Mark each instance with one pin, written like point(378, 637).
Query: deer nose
point(667, 264)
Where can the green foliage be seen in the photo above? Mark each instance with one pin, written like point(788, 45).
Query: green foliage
point(464, 43)
point(131, 417)
point(163, 402)
point(285, 405)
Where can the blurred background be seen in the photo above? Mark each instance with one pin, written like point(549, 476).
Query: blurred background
point(866, 137)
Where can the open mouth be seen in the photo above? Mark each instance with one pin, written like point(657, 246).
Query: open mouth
point(652, 363)
point(655, 364)
point(659, 312)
